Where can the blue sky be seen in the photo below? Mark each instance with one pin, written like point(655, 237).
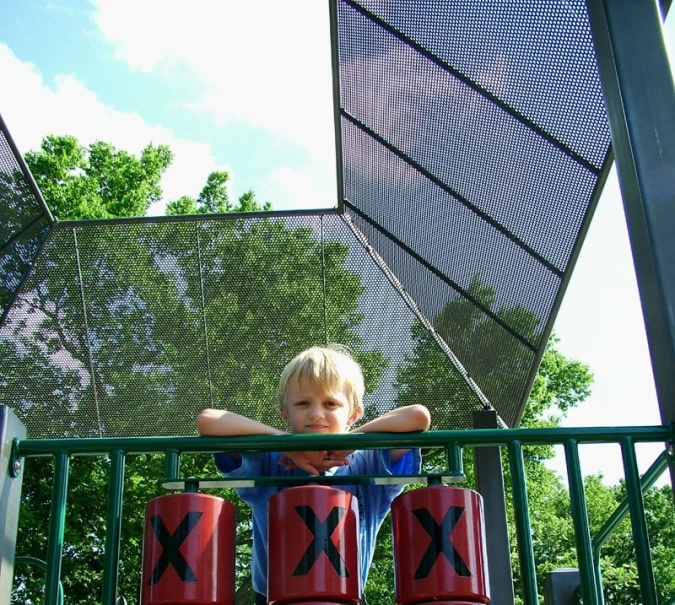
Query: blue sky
point(242, 86)
point(246, 86)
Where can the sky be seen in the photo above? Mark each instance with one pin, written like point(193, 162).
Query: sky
point(232, 85)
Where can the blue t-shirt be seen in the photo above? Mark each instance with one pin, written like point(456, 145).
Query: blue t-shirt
point(374, 500)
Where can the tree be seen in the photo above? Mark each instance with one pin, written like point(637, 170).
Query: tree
point(99, 181)
point(148, 291)
point(560, 384)
point(214, 198)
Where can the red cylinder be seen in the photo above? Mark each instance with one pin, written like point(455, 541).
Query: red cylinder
point(439, 546)
point(313, 554)
point(188, 551)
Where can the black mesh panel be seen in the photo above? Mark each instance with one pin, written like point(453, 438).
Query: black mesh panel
point(173, 317)
point(537, 57)
point(473, 138)
point(23, 226)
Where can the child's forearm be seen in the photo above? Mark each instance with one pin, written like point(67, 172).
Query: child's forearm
point(401, 420)
point(223, 423)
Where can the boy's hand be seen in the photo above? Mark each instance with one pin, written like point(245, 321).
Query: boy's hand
point(313, 463)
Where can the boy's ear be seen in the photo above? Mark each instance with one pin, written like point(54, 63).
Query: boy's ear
point(283, 413)
point(356, 415)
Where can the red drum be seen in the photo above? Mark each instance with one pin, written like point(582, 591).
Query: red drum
point(313, 554)
point(188, 551)
point(439, 547)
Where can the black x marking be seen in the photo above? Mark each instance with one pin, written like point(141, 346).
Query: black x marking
point(171, 543)
point(440, 542)
point(321, 541)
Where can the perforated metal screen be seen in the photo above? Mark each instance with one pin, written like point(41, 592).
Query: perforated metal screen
point(473, 140)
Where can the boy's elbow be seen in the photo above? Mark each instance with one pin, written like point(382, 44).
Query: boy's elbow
point(205, 421)
point(420, 417)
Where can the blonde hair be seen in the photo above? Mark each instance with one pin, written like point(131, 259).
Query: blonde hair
point(331, 367)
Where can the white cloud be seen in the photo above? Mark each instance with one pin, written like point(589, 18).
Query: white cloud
point(265, 63)
point(33, 108)
point(289, 187)
point(600, 324)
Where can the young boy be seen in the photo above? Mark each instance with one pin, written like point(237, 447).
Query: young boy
point(320, 392)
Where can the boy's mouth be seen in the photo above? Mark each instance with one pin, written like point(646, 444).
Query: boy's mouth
point(315, 427)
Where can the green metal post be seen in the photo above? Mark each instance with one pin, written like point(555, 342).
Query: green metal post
point(56, 528)
point(11, 477)
point(113, 528)
point(455, 460)
point(582, 531)
point(598, 581)
point(638, 523)
point(172, 464)
point(523, 527)
point(35, 562)
point(648, 480)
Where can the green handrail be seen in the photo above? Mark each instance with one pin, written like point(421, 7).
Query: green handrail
point(582, 531)
point(638, 523)
point(451, 441)
point(474, 438)
point(648, 480)
point(39, 563)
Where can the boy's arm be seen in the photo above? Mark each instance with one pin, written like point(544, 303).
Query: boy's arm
point(221, 423)
point(408, 419)
point(401, 420)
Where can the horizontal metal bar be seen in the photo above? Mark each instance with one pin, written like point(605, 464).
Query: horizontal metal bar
point(271, 443)
point(319, 480)
point(191, 218)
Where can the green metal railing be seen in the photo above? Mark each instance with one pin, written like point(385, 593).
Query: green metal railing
point(514, 440)
point(40, 564)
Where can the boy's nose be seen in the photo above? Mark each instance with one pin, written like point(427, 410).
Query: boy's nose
point(316, 411)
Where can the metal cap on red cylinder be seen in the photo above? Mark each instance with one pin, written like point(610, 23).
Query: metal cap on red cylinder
point(188, 551)
point(439, 546)
point(313, 554)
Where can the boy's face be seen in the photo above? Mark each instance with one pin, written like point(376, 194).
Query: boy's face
point(314, 409)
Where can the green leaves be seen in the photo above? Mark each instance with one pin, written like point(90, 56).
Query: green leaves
point(155, 294)
point(98, 181)
point(214, 199)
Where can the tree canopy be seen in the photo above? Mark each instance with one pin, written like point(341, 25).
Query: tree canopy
point(249, 276)
point(99, 181)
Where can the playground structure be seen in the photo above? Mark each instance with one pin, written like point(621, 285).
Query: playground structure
point(447, 226)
